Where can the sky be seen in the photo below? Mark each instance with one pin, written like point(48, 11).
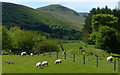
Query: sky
point(77, 5)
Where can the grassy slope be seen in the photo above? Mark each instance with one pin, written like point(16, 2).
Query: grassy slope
point(27, 64)
point(65, 14)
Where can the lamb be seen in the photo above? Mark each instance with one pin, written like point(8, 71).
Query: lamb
point(31, 54)
point(38, 64)
point(58, 61)
point(24, 53)
point(110, 58)
point(44, 63)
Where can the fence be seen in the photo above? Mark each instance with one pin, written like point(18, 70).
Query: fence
point(85, 59)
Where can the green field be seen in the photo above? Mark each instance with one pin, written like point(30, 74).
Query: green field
point(26, 64)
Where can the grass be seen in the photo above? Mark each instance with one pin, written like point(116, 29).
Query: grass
point(26, 64)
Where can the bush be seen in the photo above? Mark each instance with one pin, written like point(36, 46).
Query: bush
point(45, 46)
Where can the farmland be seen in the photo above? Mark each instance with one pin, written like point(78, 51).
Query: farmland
point(26, 64)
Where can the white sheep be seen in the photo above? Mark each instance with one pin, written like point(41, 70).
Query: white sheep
point(110, 58)
point(38, 64)
point(58, 61)
point(24, 53)
point(63, 52)
point(31, 54)
point(44, 63)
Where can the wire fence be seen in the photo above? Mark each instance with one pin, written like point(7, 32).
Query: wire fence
point(86, 60)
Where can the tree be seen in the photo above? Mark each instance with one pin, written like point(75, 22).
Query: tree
point(107, 39)
point(103, 20)
point(6, 40)
point(29, 41)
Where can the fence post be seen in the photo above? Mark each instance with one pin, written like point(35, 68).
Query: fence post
point(57, 54)
point(65, 55)
point(114, 64)
point(97, 61)
point(83, 58)
point(74, 58)
point(50, 54)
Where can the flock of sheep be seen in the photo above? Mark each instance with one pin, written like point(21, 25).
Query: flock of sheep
point(45, 63)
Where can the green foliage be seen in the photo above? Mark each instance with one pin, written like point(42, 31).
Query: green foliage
point(45, 46)
point(6, 40)
point(87, 28)
point(29, 41)
point(107, 39)
point(105, 34)
point(103, 19)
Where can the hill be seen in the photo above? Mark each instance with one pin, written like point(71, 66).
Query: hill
point(65, 14)
point(30, 19)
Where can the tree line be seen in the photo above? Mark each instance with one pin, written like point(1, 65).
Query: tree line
point(102, 28)
point(18, 40)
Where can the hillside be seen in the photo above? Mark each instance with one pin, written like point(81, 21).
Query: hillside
point(65, 14)
point(30, 19)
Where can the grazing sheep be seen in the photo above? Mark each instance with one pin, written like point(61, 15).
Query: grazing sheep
point(31, 54)
point(110, 58)
point(38, 64)
point(44, 63)
point(63, 52)
point(24, 53)
point(58, 61)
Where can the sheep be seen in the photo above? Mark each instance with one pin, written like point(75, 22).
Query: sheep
point(63, 52)
point(110, 58)
point(24, 53)
point(58, 61)
point(38, 64)
point(31, 54)
point(44, 63)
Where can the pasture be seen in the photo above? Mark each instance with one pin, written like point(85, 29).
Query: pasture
point(26, 64)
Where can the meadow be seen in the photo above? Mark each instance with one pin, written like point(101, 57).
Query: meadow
point(26, 64)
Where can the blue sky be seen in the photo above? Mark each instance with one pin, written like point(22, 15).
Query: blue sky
point(79, 6)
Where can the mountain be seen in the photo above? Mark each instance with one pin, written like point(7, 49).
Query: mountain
point(65, 14)
point(38, 20)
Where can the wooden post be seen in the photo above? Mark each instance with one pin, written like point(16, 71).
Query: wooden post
point(74, 58)
point(97, 61)
point(65, 55)
point(50, 54)
point(83, 58)
point(114, 64)
point(57, 54)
